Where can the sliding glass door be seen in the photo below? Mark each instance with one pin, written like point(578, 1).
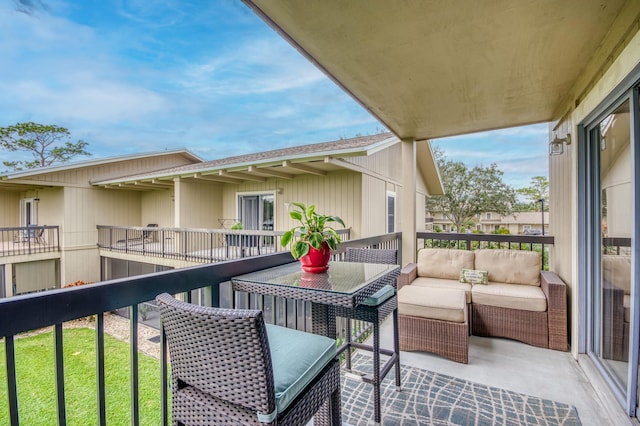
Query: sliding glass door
point(256, 211)
point(612, 147)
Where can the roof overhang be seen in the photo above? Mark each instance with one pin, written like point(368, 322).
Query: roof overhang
point(285, 167)
point(430, 69)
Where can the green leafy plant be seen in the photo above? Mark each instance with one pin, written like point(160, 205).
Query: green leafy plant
point(237, 226)
point(312, 230)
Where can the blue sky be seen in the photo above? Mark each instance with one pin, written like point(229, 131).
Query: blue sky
point(132, 76)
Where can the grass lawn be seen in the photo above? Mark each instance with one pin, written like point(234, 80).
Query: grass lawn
point(37, 389)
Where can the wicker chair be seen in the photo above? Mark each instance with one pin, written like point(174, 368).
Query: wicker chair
point(224, 370)
point(374, 310)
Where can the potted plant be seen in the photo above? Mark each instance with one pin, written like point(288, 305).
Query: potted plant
point(315, 239)
point(234, 240)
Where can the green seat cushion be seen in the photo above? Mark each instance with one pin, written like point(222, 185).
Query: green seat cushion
point(380, 296)
point(297, 358)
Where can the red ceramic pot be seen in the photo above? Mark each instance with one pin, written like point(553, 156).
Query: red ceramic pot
point(316, 261)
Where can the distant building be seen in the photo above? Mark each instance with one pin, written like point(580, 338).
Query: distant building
point(489, 222)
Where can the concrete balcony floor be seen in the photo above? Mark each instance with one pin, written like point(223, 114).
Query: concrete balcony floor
point(526, 369)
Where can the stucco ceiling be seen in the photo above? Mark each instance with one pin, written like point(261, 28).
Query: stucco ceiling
point(430, 69)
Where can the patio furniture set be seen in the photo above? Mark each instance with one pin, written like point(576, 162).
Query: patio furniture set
point(219, 379)
point(508, 295)
point(229, 367)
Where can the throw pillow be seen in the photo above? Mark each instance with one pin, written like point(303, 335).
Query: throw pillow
point(474, 276)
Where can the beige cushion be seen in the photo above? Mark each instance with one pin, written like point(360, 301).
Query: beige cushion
point(443, 263)
point(617, 271)
point(444, 284)
point(432, 303)
point(512, 296)
point(510, 266)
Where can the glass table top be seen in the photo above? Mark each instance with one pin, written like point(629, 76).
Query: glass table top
point(342, 277)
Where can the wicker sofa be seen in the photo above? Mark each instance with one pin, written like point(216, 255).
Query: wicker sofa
point(519, 302)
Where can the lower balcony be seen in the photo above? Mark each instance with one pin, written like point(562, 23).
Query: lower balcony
point(502, 382)
point(189, 244)
point(27, 240)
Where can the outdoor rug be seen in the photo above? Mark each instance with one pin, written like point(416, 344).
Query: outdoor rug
point(429, 398)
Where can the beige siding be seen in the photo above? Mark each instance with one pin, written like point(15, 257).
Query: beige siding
point(198, 204)
point(50, 207)
point(337, 193)
point(9, 209)
point(80, 265)
point(84, 209)
point(384, 162)
point(374, 206)
point(158, 207)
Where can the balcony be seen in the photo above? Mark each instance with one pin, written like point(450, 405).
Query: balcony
point(505, 364)
point(28, 240)
point(195, 245)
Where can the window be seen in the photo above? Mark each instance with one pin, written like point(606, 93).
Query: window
point(526, 227)
point(488, 216)
point(391, 211)
point(478, 227)
point(255, 211)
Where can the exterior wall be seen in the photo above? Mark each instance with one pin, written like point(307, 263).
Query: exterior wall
point(374, 206)
point(80, 264)
point(198, 204)
point(617, 55)
point(9, 209)
point(158, 207)
point(337, 193)
point(84, 209)
point(384, 162)
point(50, 207)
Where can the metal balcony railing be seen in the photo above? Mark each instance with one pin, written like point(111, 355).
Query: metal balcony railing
point(197, 245)
point(24, 240)
point(539, 243)
point(34, 311)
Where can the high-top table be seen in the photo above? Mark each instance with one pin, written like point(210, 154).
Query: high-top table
point(345, 284)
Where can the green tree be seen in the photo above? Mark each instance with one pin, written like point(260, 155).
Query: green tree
point(46, 143)
point(537, 190)
point(468, 192)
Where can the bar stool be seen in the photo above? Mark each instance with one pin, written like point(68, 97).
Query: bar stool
point(375, 309)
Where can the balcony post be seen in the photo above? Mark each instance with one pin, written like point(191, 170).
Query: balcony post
point(407, 200)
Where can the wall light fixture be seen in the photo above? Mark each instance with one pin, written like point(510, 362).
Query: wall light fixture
point(556, 146)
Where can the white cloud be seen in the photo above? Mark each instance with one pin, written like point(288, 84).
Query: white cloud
point(254, 67)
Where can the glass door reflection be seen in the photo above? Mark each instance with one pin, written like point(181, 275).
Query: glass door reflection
point(612, 289)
